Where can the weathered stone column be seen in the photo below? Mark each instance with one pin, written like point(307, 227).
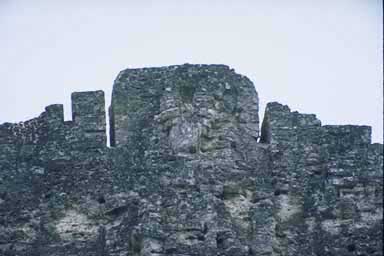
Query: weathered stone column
point(88, 113)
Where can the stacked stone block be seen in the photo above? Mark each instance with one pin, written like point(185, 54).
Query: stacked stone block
point(88, 113)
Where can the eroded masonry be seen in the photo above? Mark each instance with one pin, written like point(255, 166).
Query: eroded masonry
point(188, 172)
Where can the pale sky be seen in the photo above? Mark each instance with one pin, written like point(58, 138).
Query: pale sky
point(317, 56)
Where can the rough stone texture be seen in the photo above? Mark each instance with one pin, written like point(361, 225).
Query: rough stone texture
point(187, 174)
point(328, 185)
point(88, 113)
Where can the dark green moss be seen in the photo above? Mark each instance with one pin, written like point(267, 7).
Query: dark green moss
point(186, 90)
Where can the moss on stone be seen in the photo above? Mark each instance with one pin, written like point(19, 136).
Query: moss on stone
point(186, 90)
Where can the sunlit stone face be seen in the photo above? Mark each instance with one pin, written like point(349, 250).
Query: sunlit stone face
point(180, 120)
point(209, 120)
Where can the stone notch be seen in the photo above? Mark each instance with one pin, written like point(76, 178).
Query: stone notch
point(182, 104)
point(88, 113)
point(88, 124)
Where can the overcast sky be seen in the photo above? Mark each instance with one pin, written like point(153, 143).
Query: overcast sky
point(317, 56)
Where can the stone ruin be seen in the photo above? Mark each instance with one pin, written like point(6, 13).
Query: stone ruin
point(188, 172)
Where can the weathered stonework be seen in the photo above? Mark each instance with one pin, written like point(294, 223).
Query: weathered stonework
point(188, 173)
point(328, 185)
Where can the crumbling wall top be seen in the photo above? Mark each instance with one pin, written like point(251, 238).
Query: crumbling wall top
point(182, 104)
point(88, 123)
point(281, 125)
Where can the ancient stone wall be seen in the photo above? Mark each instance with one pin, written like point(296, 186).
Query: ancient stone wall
point(328, 185)
point(188, 173)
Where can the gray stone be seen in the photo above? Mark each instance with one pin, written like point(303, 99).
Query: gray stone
point(187, 173)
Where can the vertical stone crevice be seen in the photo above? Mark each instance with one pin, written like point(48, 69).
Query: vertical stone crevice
point(111, 115)
point(265, 130)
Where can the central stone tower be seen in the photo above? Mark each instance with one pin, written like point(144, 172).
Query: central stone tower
point(188, 107)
